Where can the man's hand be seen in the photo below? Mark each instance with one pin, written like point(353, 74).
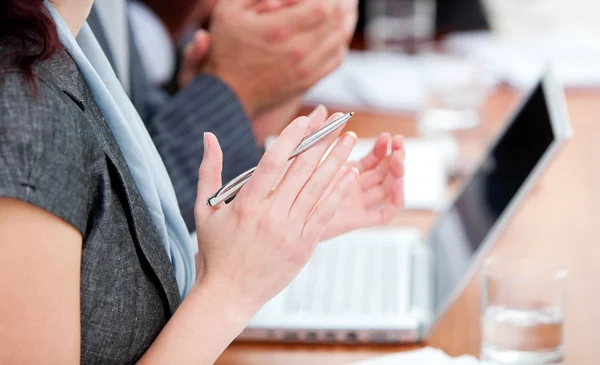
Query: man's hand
point(350, 8)
point(270, 122)
point(274, 118)
point(269, 57)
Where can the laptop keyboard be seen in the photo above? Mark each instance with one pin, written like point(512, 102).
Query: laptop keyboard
point(351, 277)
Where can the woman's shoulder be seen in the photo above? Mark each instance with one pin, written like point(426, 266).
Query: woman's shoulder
point(39, 94)
point(45, 149)
point(35, 118)
point(39, 108)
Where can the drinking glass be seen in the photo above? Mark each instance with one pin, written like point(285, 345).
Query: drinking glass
point(400, 25)
point(523, 306)
point(457, 88)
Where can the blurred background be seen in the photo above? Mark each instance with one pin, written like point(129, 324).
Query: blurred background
point(434, 64)
point(506, 42)
point(440, 61)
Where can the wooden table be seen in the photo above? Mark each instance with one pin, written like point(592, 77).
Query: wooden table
point(560, 220)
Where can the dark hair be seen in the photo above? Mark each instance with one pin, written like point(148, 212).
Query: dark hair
point(28, 25)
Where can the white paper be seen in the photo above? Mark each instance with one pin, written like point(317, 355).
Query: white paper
point(397, 83)
point(385, 82)
point(425, 176)
point(573, 54)
point(425, 356)
point(391, 82)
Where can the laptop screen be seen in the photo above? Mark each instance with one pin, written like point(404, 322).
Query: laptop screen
point(461, 231)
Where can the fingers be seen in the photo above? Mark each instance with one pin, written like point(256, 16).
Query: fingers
point(396, 164)
point(291, 2)
point(265, 6)
point(325, 211)
point(373, 177)
point(274, 161)
point(380, 151)
point(331, 61)
point(392, 201)
point(302, 15)
point(303, 167)
point(350, 26)
point(209, 175)
point(374, 167)
point(319, 113)
point(328, 49)
point(378, 184)
point(351, 18)
point(316, 186)
point(245, 4)
point(397, 142)
point(396, 203)
point(397, 193)
point(377, 154)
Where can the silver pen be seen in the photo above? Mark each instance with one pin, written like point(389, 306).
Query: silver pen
point(230, 189)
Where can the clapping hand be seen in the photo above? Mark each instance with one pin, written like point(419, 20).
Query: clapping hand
point(378, 193)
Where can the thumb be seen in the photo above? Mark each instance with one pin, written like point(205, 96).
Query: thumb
point(195, 52)
point(200, 45)
point(193, 56)
point(209, 176)
point(265, 6)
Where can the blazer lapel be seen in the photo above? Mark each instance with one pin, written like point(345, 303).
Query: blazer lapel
point(146, 241)
point(143, 232)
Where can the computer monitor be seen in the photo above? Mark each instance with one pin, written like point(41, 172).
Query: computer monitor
point(496, 187)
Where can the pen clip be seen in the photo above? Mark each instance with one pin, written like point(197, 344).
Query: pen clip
point(242, 178)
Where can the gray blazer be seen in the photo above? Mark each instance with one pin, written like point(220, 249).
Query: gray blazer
point(57, 153)
point(177, 124)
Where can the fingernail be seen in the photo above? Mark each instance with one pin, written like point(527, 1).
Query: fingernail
point(205, 143)
point(349, 139)
point(316, 111)
point(352, 174)
point(303, 122)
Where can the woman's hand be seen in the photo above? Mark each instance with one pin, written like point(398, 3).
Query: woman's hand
point(254, 246)
point(378, 194)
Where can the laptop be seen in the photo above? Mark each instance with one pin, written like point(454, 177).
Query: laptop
point(390, 285)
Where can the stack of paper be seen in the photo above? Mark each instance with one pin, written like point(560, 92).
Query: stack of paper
point(426, 356)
